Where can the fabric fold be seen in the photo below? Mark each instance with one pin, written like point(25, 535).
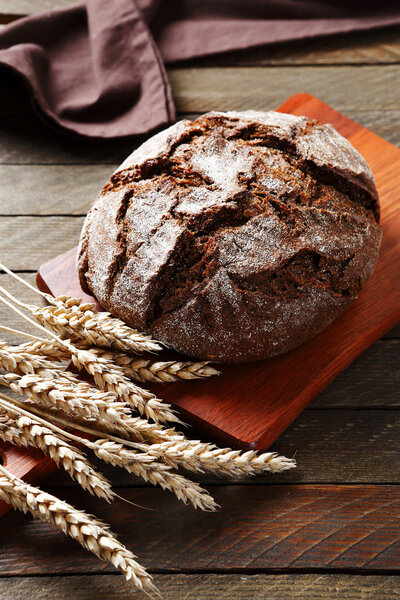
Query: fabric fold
point(97, 68)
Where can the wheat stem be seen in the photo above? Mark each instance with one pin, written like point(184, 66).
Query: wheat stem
point(20, 333)
point(23, 281)
point(29, 320)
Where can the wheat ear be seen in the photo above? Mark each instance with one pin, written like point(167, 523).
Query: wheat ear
point(26, 431)
point(91, 533)
point(109, 376)
point(155, 472)
point(71, 318)
point(143, 400)
point(143, 370)
point(158, 372)
point(197, 456)
point(82, 319)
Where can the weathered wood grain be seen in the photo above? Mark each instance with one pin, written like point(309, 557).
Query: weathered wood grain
point(206, 587)
point(393, 333)
point(275, 527)
point(372, 380)
point(369, 47)
point(50, 190)
point(28, 7)
point(346, 87)
point(26, 242)
point(26, 139)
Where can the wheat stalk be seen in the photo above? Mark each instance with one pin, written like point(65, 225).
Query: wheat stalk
point(111, 377)
point(19, 359)
point(157, 473)
point(49, 387)
point(26, 431)
point(91, 533)
point(113, 452)
point(107, 376)
point(48, 394)
point(143, 370)
point(197, 456)
point(71, 318)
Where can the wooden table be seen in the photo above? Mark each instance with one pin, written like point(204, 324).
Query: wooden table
point(329, 529)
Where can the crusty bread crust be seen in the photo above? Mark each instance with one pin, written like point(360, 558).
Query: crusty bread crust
point(234, 237)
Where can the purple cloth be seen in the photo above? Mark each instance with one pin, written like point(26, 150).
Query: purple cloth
point(97, 68)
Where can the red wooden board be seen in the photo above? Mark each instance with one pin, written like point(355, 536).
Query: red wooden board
point(250, 405)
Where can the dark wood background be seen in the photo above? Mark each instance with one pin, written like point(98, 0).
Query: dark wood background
point(329, 529)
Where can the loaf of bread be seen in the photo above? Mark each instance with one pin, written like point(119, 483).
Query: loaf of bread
point(234, 237)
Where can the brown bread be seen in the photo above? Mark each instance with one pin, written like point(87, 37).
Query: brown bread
point(234, 237)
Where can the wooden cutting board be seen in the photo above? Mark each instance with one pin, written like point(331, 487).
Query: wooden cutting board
point(250, 405)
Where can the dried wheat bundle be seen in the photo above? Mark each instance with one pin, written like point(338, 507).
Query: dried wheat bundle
point(113, 452)
point(26, 431)
point(80, 402)
point(107, 375)
point(50, 387)
point(197, 456)
point(60, 406)
point(91, 533)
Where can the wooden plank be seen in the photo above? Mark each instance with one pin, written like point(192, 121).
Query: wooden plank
point(345, 87)
point(29, 7)
point(26, 242)
point(50, 190)
point(393, 333)
point(293, 527)
point(330, 446)
point(25, 138)
point(373, 379)
point(206, 586)
point(383, 123)
point(363, 48)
